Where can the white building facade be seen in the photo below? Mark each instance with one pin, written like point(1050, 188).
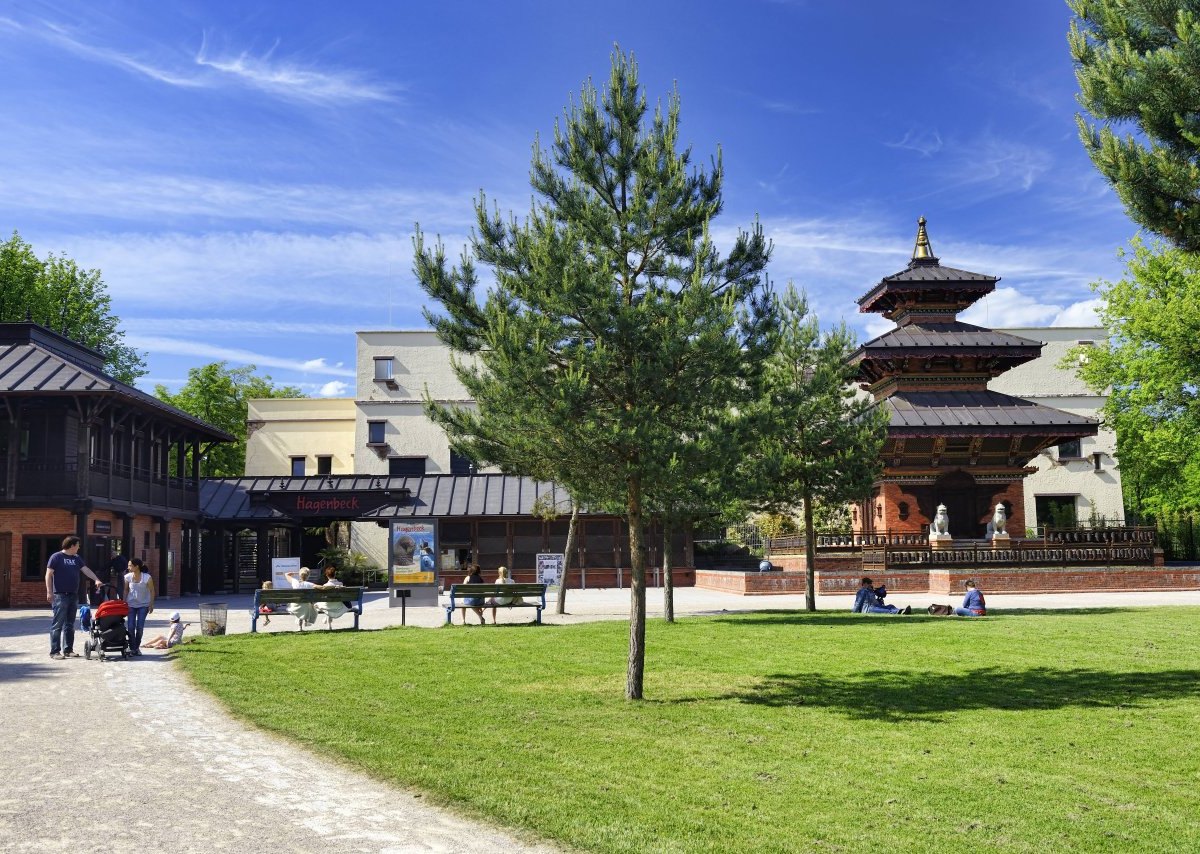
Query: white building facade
point(1076, 482)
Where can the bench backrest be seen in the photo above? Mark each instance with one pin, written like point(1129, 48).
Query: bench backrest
point(498, 590)
point(309, 594)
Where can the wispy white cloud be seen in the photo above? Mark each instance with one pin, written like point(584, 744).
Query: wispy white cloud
point(237, 327)
point(925, 142)
point(204, 350)
point(333, 388)
point(287, 78)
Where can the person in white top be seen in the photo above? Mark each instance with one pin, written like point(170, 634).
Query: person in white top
point(139, 596)
point(503, 577)
point(174, 638)
point(302, 611)
point(332, 610)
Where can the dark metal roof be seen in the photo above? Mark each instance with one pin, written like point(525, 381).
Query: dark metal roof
point(444, 495)
point(921, 272)
point(977, 412)
point(32, 368)
point(924, 277)
point(959, 339)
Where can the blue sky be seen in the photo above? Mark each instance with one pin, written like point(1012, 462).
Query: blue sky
point(247, 175)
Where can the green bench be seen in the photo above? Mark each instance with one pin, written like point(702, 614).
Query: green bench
point(351, 597)
point(521, 592)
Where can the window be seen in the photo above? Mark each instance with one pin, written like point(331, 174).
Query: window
point(36, 551)
point(406, 466)
point(1056, 511)
point(383, 368)
point(902, 510)
point(460, 464)
point(324, 465)
point(375, 432)
point(1069, 450)
point(298, 466)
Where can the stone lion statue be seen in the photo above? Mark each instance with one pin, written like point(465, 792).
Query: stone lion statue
point(941, 522)
point(998, 522)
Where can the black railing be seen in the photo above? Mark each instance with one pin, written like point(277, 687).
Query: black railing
point(1019, 553)
point(58, 477)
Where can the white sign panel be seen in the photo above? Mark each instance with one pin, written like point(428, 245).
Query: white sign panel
point(550, 568)
point(279, 567)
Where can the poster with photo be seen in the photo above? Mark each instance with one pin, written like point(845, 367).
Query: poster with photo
point(412, 561)
point(550, 568)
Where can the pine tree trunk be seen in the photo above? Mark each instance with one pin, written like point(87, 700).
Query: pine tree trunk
point(668, 586)
point(637, 594)
point(572, 530)
point(810, 556)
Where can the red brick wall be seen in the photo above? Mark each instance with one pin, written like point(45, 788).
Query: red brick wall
point(751, 583)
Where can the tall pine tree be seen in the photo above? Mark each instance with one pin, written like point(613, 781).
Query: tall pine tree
point(818, 442)
point(615, 333)
point(1138, 66)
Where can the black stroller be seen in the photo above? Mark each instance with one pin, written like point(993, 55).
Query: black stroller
point(108, 628)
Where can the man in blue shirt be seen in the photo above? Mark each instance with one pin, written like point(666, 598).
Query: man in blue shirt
point(62, 592)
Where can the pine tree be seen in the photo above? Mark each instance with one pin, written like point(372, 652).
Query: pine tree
point(1138, 65)
point(615, 332)
point(819, 443)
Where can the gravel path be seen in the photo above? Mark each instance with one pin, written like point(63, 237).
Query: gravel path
point(127, 756)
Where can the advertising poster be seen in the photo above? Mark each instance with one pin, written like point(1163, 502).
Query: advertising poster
point(412, 559)
point(550, 568)
point(279, 567)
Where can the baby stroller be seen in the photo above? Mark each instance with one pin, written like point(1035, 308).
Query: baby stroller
point(108, 628)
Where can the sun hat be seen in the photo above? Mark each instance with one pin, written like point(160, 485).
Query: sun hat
point(175, 617)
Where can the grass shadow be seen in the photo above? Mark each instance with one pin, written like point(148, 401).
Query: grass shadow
point(930, 696)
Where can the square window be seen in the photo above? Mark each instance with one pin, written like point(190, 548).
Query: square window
point(383, 367)
point(36, 552)
point(376, 432)
point(297, 466)
point(406, 466)
point(324, 465)
point(1069, 450)
point(460, 464)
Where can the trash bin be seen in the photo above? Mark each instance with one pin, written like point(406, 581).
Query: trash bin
point(212, 618)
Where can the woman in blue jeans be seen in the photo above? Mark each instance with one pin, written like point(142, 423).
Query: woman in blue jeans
point(973, 604)
point(139, 596)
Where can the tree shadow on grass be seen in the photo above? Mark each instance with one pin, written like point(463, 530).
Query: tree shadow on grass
point(930, 696)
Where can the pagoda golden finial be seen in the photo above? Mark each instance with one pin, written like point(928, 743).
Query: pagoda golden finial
point(922, 251)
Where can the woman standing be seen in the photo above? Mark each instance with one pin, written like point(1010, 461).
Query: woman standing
point(139, 596)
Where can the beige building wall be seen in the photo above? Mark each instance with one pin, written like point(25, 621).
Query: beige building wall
point(1092, 482)
point(279, 429)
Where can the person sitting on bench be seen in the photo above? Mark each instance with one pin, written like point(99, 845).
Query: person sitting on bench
point(503, 577)
point(475, 603)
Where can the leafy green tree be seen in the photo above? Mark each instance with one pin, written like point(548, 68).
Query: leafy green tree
point(1150, 368)
point(614, 331)
point(1137, 65)
point(61, 296)
point(819, 443)
point(218, 394)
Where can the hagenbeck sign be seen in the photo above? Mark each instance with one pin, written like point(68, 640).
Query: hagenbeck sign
point(346, 505)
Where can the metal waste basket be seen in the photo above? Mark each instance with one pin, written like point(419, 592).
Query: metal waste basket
point(212, 618)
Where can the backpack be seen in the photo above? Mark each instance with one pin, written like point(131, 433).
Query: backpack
point(940, 611)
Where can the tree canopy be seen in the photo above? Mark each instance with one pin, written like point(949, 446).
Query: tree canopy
point(57, 293)
point(218, 394)
point(1138, 66)
point(1150, 369)
point(818, 442)
point(615, 333)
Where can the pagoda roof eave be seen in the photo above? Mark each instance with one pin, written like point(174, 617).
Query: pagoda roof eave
point(979, 413)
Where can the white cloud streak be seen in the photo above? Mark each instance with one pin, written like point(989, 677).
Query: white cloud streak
point(183, 347)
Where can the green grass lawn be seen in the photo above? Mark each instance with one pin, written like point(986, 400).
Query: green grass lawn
point(1034, 731)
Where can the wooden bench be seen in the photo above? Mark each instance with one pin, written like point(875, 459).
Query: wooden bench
point(352, 597)
point(520, 592)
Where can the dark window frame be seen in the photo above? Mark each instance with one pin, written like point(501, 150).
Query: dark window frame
point(1072, 449)
point(407, 466)
point(303, 461)
point(382, 427)
point(36, 550)
point(389, 374)
point(324, 464)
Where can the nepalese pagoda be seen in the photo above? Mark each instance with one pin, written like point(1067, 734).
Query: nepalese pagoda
point(950, 440)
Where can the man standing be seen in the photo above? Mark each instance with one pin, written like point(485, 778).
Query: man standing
point(62, 592)
point(118, 566)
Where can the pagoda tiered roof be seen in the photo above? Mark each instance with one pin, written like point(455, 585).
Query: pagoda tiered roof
point(981, 413)
point(916, 338)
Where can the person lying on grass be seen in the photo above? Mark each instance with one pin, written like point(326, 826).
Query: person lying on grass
point(868, 602)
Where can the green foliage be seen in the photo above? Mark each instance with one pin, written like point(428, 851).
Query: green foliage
point(1042, 731)
point(615, 337)
point(218, 394)
point(1138, 64)
point(1149, 368)
point(61, 296)
point(818, 442)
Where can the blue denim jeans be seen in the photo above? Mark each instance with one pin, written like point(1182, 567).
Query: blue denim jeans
point(137, 623)
point(62, 622)
point(963, 612)
point(882, 609)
